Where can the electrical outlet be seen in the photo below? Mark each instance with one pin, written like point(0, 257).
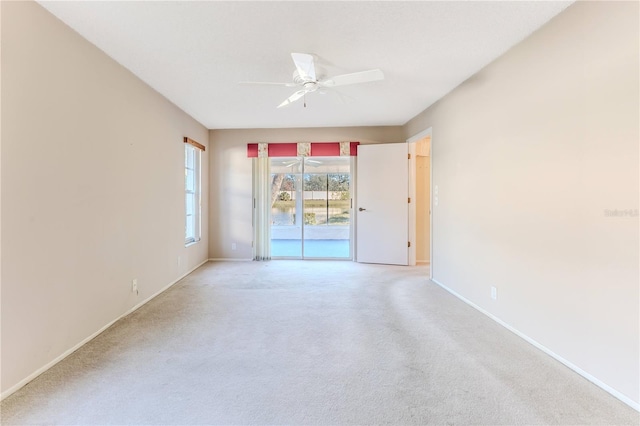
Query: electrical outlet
point(494, 293)
point(233, 246)
point(134, 286)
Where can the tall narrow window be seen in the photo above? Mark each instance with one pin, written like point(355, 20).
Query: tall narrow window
point(192, 163)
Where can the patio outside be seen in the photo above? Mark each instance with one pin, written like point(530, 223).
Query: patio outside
point(326, 226)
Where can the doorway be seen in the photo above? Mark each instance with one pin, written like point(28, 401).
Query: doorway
point(425, 199)
point(311, 208)
point(423, 189)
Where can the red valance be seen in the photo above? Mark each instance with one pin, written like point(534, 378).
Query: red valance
point(318, 149)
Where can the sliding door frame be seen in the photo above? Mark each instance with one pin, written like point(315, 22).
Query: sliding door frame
point(300, 212)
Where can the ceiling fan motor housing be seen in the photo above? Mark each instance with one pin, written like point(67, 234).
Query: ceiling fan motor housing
point(311, 86)
point(320, 74)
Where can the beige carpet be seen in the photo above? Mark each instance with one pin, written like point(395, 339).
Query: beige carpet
point(303, 342)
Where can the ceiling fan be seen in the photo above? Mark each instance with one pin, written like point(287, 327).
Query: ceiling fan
point(307, 80)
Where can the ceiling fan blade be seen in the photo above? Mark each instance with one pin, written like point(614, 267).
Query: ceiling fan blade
point(354, 78)
point(265, 83)
point(292, 98)
point(305, 66)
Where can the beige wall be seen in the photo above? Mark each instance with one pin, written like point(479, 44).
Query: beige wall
point(528, 155)
point(231, 184)
point(92, 190)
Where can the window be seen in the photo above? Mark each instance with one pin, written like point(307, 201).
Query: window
point(192, 156)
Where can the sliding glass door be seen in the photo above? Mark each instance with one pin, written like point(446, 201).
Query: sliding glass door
point(286, 207)
point(311, 208)
point(327, 207)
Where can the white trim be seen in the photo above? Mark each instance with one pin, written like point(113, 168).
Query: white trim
point(353, 173)
point(431, 206)
point(68, 352)
point(412, 194)
point(412, 205)
point(192, 243)
point(418, 136)
point(228, 259)
point(631, 403)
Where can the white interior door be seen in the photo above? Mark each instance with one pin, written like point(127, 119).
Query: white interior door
point(382, 232)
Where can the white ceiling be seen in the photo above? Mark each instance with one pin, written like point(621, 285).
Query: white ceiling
point(195, 53)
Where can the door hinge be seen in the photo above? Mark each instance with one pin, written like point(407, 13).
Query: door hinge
point(408, 156)
point(409, 200)
point(409, 244)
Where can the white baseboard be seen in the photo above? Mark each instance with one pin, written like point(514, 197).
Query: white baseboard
point(68, 352)
point(219, 259)
point(631, 403)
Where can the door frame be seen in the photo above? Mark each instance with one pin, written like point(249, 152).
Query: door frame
point(412, 194)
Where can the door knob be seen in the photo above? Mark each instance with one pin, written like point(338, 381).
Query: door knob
point(361, 209)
